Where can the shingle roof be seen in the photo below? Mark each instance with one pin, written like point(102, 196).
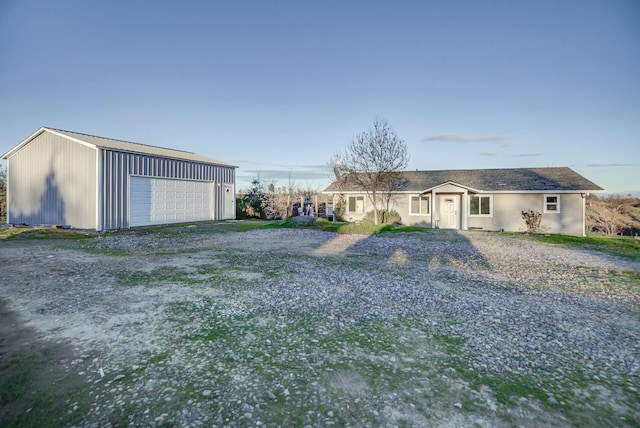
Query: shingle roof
point(487, 180)
point(124, 146)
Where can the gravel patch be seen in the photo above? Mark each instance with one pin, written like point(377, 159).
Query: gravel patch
point(309, 328)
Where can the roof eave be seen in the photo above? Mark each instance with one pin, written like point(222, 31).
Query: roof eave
point(563, 191)
point(430, 189)
point(41, 130)
point(209, 162)
point(23, 142)
point(572, 191)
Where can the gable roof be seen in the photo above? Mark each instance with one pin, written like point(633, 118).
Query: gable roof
point(552, 179)
point(118, 145)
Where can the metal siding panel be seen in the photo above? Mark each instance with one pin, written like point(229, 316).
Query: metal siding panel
point(53, 182)
point(114, 195)
point(118, 167)
point(106, 190)
point(122, 180)
point(99, 190)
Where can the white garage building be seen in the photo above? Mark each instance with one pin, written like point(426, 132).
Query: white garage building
point(58, 177)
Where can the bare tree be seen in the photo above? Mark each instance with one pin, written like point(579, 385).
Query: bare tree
point(607, 215)
point(335, 165)
point(374, 160)
point(3, 195)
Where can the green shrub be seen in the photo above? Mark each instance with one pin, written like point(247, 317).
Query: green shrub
point(384, 217)
point(339, 208)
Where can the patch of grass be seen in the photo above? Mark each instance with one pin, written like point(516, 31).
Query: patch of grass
point(32, 395)
point(629, 275)
point(622, 246)
point(626, 281)
point(508, 389)
point(211, 227)
point(172, 229)
point(210, 275)
point(18, 374)
point(43, 233)
point(159, 275)
point(205, 227)
point(104, 251)
point(559, 395)
point(346, 227)
point(301, 365)
point(158, 358)
point(262, 264)
point(248, 225)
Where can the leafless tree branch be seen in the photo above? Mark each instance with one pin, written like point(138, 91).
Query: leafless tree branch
point(374, 160)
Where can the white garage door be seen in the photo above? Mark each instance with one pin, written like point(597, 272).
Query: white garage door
point(162, 201)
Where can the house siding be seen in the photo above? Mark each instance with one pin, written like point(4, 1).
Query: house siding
point(511, 191)
point(508, 209)
point(52, 182)
point(505, 215)
point(117, 167)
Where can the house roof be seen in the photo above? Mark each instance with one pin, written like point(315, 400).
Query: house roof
point(556, 179)
point(118, 145)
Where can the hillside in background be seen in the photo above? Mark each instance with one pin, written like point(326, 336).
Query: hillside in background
point(613, 215)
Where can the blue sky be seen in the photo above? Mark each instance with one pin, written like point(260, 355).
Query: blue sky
point(276, 87)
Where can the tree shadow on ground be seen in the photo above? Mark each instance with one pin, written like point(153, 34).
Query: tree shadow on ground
point(434, 248)
point(34, 384)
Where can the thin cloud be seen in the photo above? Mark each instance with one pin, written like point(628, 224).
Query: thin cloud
point(611, 165)
point(277, 165)
point(243, 161)
point(279, 174)
point(487, 154)
point(500, 140)
point(528, 155)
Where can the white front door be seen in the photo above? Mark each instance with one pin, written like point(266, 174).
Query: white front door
point(449, 212)
point(229, 201)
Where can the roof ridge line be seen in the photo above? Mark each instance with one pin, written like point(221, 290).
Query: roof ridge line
point(121, 141)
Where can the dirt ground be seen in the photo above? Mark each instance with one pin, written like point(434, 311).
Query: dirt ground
point(299, 327)
point(31, 367)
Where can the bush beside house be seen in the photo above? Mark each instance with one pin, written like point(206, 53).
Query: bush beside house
point(3, 196)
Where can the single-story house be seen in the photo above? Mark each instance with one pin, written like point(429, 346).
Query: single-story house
point(64, 178)
point(487, 199)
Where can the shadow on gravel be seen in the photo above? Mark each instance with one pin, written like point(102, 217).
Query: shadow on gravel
point(34, 384)
point(437, 249)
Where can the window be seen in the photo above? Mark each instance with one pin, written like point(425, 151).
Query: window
point(356, 204)
point(419, 205)
point(480, 205)
point(551, 203)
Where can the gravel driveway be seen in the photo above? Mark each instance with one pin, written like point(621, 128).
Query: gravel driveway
point(279, 327)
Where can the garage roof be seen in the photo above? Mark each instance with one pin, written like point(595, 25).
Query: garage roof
point(119, 145)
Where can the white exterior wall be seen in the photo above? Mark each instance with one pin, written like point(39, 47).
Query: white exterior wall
point(52, 182)
point(505, 213)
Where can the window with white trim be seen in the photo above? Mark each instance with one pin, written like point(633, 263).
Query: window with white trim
point(419, 205)
point(480, 205)
point(551, 203)
point(356, 204)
